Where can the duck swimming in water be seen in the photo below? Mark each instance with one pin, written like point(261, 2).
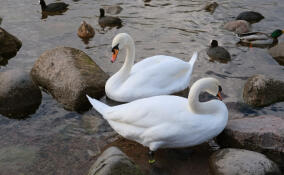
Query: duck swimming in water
point(260, 39)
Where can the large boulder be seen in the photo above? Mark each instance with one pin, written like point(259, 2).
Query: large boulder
point(241, 162)
point(263, 134)
point(19, 96)
point(9, 44)
point(260, 90)
point(277, 52)
point(238, 26)
point(69, 74)
point(114, 162)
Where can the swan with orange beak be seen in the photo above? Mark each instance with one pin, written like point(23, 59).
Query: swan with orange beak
point(156, 75)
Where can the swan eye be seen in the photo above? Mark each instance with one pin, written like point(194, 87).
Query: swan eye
point(115, 48)
point(220, 88)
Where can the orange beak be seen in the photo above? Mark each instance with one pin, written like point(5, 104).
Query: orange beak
point(114, 55)
point(219, 96)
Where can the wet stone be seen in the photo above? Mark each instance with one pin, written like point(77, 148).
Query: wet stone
point(114, 162)
point(238, 161)
point(9, 44)
point(260, 90)
point(69, 74)
point(277, 52)
point(19, 96)
point(263, 134)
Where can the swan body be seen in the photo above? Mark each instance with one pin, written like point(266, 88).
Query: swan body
point(156, 75)
point(168, 121)
point(259, 39)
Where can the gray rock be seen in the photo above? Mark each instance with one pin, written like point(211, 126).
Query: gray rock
point(19, 96)
point(277, 52)
point(263, 134)
point(260, 90)
point(241, 162)
point(114, 162)
point(69, 74)
point(250, 16)
point(9, 44)
point(210, 7)
point(113, 9)
point(238, 26)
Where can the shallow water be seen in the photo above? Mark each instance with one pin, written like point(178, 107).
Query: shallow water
point(57, 141)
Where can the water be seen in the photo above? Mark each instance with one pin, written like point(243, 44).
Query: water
point(56, 141)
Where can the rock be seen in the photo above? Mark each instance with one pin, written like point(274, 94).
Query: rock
point(19, 96)
point(69, 74)
point(263, 134)
point(114, 162)
point(238, 26)
point(9, 44)
point(250, 16)
point(241, 162)
point(210, 7)
point(277, 52)
point(113, 9)
point(262, 91)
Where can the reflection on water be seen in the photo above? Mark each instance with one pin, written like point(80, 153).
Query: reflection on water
point(63, 142)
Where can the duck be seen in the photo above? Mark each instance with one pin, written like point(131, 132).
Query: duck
point(260, 39)
point(85, 30)
point(156, 75)
point(250, 16)
point(218, 53)
point(53, 7)
point(108, 21)
point(169, 121)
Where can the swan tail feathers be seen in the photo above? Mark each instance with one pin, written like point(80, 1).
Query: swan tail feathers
point(99, 106)
point(193, 59)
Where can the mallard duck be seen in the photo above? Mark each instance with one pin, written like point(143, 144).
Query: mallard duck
point(156, 75)
point(85, 30)
point(53, 7)
point(260, 39)
point(169, 121)
point(108, 21)
point(250, 16)
point(218, 53)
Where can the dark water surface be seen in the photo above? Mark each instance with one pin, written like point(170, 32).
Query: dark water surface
point(56, 141)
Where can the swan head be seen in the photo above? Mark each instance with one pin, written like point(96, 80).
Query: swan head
point(120, 41)
point(210, 85)
point(214, 87)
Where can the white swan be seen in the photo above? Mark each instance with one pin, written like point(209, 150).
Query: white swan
point(156, 75)
point(169, 121)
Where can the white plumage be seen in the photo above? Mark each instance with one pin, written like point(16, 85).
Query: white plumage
point(156, 75)
point(169, 121)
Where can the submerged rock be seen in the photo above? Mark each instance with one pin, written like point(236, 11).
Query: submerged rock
point(114, 162)
point(263, 134)
point(250, 16)
point(210, 7)
point(277, 52)
point(19, 96)
point(9, 44)
point(262, 91)
point(113, 9)
point(241, 162)
point(69, 74)
point(238, 26)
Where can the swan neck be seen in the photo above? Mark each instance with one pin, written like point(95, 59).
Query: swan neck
point(201, 107)
point(129, 59)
